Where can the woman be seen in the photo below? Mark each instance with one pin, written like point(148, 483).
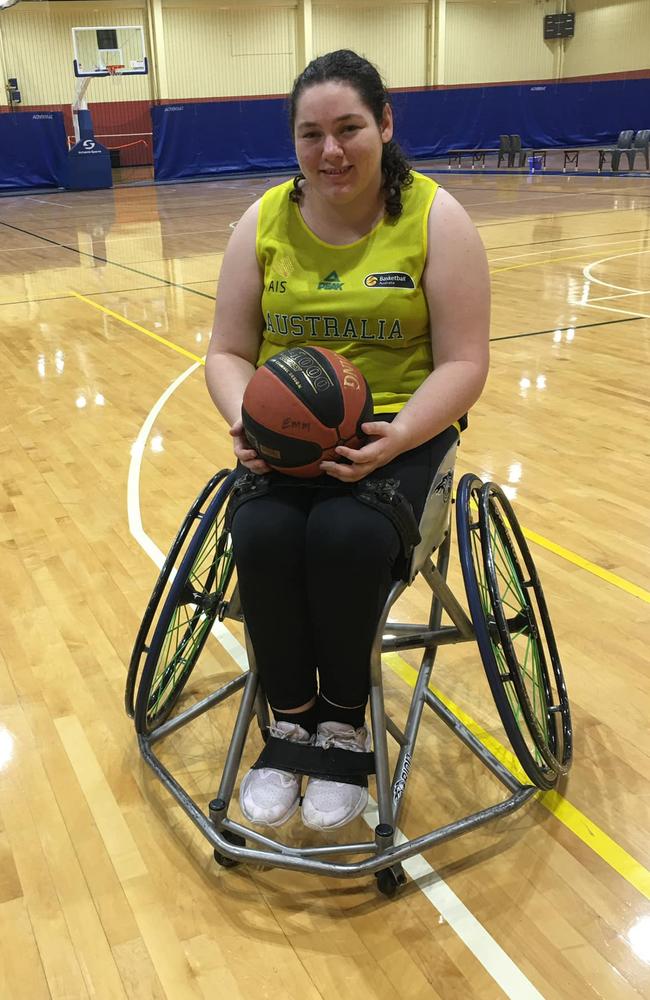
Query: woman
point(363, 256)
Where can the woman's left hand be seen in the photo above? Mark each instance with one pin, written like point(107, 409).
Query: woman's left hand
point(387, 440)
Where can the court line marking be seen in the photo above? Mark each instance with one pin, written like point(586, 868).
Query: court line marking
point(621, 295)
point(136, 326)
point(587, 246)
point(554, 260)
point(462, 921)
point(585, 829)
point(623, 312)
point(604, 574)
point(605, 260)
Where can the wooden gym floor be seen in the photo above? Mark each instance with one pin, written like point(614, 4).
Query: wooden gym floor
point(106, 890)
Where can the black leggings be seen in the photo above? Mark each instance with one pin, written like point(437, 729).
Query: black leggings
point(315, 566)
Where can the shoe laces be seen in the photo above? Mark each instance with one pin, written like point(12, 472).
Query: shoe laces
point(291, 731)
point(341, 736)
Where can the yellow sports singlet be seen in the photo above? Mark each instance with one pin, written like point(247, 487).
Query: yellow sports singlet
point(364, 299)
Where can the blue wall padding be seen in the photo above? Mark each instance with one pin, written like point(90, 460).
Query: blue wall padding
point(548, 115)
point(33, 149)
point(193, 140)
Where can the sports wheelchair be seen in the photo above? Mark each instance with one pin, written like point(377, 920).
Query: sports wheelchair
point(508, 619)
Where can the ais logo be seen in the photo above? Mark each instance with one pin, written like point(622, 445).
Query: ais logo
point(389, 279)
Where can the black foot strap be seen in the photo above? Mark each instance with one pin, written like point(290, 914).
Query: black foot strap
point(349, 766)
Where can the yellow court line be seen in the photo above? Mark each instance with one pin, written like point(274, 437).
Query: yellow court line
point(536, 263)
point(596, 839)
point(603, 574)
point(142, 329)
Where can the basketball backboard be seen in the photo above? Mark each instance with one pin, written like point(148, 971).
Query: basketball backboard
point(116, 46)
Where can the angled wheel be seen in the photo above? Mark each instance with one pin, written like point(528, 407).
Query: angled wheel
point(189, 610)
point(389, 880)
point(513, 631)
point(142, 641)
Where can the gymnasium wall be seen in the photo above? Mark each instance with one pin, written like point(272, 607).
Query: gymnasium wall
point(611, 36)
point(489, 43)
point(394, 33)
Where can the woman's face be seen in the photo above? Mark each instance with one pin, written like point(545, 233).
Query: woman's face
point(338, 142)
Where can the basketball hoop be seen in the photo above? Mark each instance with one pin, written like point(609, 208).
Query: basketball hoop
point(114, 71)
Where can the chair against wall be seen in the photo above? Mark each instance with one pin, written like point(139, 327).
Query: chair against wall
point(640, 145)
point(623, 145)
point(517, 154)
point(503, 152)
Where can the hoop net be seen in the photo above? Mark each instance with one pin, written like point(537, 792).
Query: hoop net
point(114, 71)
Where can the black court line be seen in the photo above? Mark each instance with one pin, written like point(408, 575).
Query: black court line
point(110, 291)
point(564, 239)
point(105, 260)
point(531, 217)
point(576, 326)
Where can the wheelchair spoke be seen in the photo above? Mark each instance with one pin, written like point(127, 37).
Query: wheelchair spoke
point(192, 618)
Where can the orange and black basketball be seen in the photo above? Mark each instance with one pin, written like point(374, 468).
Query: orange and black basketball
point(301, 404)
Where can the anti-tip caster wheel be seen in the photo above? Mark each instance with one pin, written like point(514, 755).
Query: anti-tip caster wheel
point(233, 838)
point(389, 881)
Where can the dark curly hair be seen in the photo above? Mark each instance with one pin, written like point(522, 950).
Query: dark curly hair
point(346, 66)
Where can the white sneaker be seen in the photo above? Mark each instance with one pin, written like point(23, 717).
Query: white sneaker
point(270, 797)
point(329, 804)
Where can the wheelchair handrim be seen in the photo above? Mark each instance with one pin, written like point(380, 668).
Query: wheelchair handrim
point(547, 704)
point(204, 573)
point(478, 597)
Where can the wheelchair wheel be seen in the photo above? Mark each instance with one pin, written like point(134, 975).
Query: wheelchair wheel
point(141, 645)
point(188, 613)
point(507, 607)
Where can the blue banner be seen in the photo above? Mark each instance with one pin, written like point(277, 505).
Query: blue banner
point(197, 140)
point(32, 149)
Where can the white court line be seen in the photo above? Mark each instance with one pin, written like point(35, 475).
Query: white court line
point(584, 246)
point(623, 312)
point(623, 295)
point(605, 260)
point(61, 204)
point(485, 949)
point(608, 284)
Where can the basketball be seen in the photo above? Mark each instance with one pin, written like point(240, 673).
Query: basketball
point(301, 404)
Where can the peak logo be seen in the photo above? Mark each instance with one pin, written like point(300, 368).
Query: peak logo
point(389, 279)
point(330, 283)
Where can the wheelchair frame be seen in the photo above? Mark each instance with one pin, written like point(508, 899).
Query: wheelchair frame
point(384, 856)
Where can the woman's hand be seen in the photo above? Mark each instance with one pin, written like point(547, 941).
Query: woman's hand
point(387, 441)
point(243, 451)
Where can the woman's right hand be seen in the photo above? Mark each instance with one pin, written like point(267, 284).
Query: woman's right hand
point(243, 451)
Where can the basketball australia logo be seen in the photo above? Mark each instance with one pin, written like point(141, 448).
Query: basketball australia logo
point(389, 279)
